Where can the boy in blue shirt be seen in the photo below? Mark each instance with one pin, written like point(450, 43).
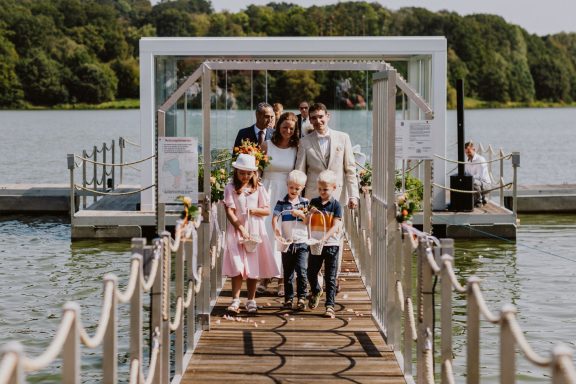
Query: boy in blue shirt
point(332, 211)
point(292, 211)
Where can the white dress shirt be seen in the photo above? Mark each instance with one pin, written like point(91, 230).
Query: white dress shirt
point(324, 142)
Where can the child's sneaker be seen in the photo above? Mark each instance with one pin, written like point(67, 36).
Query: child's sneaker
point(288, 304)
point(301, 305)
point(329, 312)
point(315, 299)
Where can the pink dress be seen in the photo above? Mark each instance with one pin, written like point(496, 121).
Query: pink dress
point(236, 261)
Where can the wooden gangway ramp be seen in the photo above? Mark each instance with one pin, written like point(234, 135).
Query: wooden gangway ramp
point(286, 346)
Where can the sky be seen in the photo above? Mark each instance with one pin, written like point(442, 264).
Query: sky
point(535, 16)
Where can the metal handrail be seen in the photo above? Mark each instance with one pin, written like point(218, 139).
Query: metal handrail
point(194, 294)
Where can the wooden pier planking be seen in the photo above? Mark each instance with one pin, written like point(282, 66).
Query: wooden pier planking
point(303, 347)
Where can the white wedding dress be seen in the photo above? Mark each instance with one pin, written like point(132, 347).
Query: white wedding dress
point(274, 180)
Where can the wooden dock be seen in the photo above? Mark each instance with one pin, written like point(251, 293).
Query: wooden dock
point(285, 346)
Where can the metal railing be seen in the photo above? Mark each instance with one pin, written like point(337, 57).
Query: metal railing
point(404, 305)
point(194, 284)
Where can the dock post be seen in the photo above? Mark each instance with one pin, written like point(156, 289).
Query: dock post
point(425, 309)
point(446, 305)
point(71, 166)
point(515, 165)
point(84, 172)
point(472, 333)
point(501, 178)
point(507, 346)
point(113, 166)
point(164, 372)
point(427, 198)
point(407, 286)
point(110, 341)
point(156, 305)
point(121, 145)
point(104, 158)
point(136, 316)
point(95, 175)
point(191, 310)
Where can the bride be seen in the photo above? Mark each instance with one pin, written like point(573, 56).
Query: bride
point(282, 148)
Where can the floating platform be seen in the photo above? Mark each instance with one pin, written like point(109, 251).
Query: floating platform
point(117, 217)
point(489, 221)
point(33, 199)
point(544, 198)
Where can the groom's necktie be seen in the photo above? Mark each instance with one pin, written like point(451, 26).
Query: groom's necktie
point(261, 134)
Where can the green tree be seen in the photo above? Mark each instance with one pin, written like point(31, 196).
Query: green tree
point(93, 83)
point(41, 79)
point(128, 75)
point(11, 93)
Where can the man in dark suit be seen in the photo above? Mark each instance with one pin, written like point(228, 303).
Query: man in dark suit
point(262, 130)
point(303, 119)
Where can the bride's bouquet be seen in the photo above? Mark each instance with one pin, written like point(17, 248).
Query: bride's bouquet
point(250, 148)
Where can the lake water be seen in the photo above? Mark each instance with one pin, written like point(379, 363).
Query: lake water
point(41, 269)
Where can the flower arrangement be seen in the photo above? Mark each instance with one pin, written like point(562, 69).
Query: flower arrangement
point(219, 176)
point(250, 148)
point(405, 208)
point(190, 212)
point(365, 176)
point(218, 180)
point(409, 200)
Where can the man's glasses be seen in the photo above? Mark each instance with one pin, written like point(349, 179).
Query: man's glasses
point(303, 107)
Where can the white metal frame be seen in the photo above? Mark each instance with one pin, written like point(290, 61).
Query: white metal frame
point(427, 75)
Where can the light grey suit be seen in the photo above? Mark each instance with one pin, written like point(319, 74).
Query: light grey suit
point(310, 161)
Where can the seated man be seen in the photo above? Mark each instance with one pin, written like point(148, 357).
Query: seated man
point(477, 167)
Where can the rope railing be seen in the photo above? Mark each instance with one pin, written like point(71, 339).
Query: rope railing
point(81, 188)
point(504, 157)
point(505, 186)
point(406, 312)
point(149, 271)
point(88, 160)
point(128, 141)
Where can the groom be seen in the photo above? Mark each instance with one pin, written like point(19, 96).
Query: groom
point(326, 148)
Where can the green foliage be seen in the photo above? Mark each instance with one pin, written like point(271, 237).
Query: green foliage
point(59, 51)
point(413, 189)
point(93, 83)
point(127, 72)
point(42, 79)
point(11, 93)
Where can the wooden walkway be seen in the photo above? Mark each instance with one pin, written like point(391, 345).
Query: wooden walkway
point(284, 346)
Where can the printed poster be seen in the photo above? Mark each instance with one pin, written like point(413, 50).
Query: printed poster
point(177, 169)
point(414, 140)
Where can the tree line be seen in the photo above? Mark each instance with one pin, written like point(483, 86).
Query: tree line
point(86, 51)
